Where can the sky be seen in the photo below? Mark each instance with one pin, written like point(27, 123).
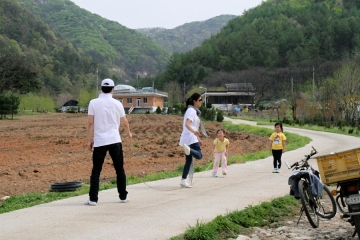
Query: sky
point(163, 13)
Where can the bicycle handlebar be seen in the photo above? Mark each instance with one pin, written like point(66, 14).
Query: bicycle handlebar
point(295, 164)
point(307, 157)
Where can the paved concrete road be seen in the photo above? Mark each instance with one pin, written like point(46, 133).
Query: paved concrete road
point(161, 214)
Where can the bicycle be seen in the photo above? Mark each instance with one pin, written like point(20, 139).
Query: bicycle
point(316, 198)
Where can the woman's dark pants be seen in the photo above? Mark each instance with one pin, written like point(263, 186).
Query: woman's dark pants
point(195, 152)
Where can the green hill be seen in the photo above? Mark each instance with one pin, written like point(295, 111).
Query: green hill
point(33, 57)
point(125, 52)
point(273, 43)
point(188, 36)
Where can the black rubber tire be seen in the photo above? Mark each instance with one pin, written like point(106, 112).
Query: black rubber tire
point(326, 204)
point(63, 190)
point(65, 186)
point(308, 203)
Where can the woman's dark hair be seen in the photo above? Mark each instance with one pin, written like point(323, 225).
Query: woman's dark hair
point(190, 100)
point(106, 89)
point(279, 124)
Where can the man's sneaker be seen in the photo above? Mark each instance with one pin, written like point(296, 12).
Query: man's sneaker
point(214, 175)
point(91, 203)
point(186, 149)
point(224, 173)
point(126, 200)
point(275, 170)
point(184, 184)
point(278, 170)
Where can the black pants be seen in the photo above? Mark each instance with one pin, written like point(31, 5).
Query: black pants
point(277, 158)
point(195, 151)
point(116, 153)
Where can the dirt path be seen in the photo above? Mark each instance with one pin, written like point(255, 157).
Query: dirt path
point(37, 151)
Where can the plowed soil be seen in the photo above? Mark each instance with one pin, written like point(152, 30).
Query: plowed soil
point(38, 150)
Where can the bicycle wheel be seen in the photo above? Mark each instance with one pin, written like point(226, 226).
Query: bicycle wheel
point(357, 224)
point(326, 206)
point(356, 221)
point(308, 203)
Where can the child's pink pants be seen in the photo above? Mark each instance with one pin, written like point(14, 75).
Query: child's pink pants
point(217, 157)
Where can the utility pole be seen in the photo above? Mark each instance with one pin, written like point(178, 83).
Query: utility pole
point(313, 83)
point(184, 91)
point(97, 81)
point(137, 80)
point(292, 85)
point(204, 94)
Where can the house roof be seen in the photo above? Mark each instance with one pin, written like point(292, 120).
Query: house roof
point(122, 87)
point(226, 93)
point(123, 90)
point(240, 87)
point(139, 92)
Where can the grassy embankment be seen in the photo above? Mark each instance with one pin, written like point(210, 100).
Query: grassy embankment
point(240, 222)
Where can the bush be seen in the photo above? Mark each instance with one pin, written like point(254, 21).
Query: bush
point(158, 110)
point(219, 116)
point(9, 105)
point(208, 114)
point(286, 121)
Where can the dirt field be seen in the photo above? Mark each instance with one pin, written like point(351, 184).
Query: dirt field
point(36, 151)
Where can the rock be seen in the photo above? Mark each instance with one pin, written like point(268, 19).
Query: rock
point(292, 235)
point(342, 230)
point(274, 225)
point(242, 237)
point(281, 229)
point(255, 238)
point(4, 198)
point(335, 228)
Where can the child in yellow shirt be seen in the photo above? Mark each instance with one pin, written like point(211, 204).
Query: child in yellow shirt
point(221, 151)
point(277, 146)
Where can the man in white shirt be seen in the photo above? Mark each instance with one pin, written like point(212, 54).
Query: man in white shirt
point(105, 114)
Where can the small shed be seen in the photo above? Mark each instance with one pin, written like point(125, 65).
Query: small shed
point(69, 104)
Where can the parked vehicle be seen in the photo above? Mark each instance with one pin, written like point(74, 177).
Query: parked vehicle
point(343, 169)
point(316, 198)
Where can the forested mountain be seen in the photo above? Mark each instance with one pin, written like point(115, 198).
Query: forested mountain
point(188, 36)
point(125, 52)
point(33, 57)
point(273, 44)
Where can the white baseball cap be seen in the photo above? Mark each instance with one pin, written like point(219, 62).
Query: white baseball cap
point(107, 82)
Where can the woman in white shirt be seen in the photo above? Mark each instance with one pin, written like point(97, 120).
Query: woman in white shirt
point(190, 136)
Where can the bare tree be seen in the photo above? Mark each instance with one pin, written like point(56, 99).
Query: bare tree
point(346, 86)
point(174, 92)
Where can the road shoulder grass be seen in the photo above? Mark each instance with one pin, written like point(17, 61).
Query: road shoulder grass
point(240, 222)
